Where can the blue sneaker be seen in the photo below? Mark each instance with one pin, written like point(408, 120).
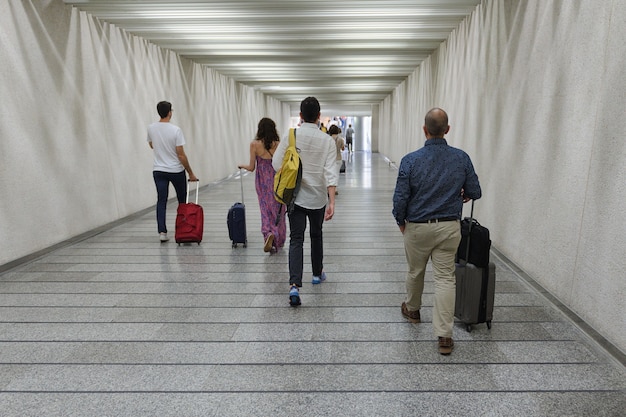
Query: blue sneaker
point(320, 279)
point(294, 296)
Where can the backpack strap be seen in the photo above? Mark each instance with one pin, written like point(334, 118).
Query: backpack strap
point(292, 137)
point(292, 142)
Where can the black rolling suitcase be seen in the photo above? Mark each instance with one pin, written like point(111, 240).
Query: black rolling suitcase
point(236, 221)
point(475, 284)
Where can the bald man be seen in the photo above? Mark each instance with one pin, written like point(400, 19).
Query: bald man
point(432, 185)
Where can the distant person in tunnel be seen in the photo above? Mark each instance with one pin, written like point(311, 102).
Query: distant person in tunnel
point(349, 137)
point(432, 185)
point(334, 132)
point(170, 163)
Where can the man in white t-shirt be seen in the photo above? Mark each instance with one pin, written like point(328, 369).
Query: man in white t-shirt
point(316, 198)
point(170, 163)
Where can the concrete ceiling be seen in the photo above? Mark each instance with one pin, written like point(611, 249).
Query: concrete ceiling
point(349, 54)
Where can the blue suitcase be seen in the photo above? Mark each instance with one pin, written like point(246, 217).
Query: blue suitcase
point(236, 221)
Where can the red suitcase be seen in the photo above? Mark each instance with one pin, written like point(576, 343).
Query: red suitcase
point(189, 220)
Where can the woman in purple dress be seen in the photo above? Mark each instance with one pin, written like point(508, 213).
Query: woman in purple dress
point(261, 150)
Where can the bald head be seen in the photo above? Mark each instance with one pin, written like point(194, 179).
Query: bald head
point(436, 123)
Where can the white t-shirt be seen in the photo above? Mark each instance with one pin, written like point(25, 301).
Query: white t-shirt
point(165, 137)
point(317, 154)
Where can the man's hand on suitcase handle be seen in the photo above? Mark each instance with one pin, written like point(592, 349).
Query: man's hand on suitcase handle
point(465, 199)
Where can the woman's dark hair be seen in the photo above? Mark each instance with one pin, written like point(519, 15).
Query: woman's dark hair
point(267, 132)
point(334, 130)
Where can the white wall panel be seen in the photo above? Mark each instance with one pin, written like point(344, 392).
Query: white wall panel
point(79, 96)
point(535, 91)
point(599, 282)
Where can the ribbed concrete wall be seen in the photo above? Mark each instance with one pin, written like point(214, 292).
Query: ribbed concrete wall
point(535, 91)
point(78, 97)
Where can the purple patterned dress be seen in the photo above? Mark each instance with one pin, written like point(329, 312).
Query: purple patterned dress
point(270, 208)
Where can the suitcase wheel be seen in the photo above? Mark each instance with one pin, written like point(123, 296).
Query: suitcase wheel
point(489, 325)
point(468, 327)
point(245, 244)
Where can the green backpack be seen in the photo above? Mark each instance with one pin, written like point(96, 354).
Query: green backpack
point(288, 178)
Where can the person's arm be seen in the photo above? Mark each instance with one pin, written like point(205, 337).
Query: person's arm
point(277, 159)
point(332, 179)
point(401, 196)
point(471, 188)
point(250, 167)
point(330, 208)
point(182, 157)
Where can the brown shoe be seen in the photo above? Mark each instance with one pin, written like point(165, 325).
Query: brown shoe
point(268, 243)
point(412, 316)
point(446, 344)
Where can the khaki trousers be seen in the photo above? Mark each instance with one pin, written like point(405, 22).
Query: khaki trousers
point(439, 242)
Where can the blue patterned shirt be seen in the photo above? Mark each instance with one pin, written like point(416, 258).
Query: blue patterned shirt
point(429, 183)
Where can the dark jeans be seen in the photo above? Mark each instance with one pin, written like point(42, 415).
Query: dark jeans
point(297, 226)
point(162, 181)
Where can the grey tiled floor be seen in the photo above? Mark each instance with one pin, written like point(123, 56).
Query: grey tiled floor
point(118, 324)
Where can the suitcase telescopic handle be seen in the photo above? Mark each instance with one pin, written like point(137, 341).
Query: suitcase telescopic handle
point(241, 177)
point(469, 233)
point(197, 191)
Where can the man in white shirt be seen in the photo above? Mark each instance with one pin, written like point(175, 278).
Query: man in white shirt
point(170, 163)
point(316, 198)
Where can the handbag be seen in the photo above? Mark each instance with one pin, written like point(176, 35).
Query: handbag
point(475, 242)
